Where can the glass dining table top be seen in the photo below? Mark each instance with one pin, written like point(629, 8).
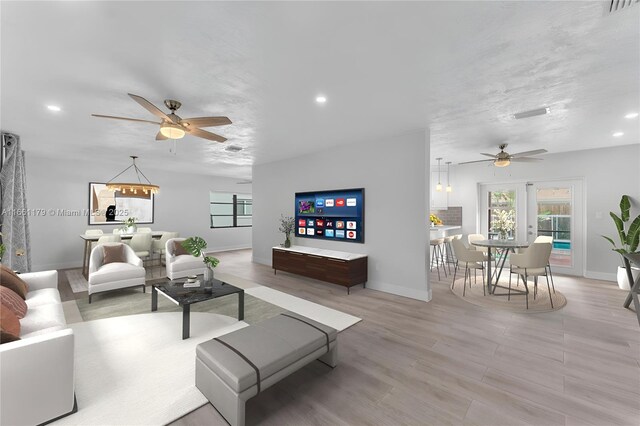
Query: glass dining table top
point(501, 243)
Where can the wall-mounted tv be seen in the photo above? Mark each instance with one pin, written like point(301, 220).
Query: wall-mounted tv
point(336, 215)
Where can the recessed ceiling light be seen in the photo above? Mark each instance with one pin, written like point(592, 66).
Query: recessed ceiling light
point(55, 108)
point(321, 99)
point(631, 115)
point(618, 134)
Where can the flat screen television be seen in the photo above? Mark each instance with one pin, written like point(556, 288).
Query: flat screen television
point(336, 215)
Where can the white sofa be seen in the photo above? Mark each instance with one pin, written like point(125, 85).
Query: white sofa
point(37, 371)
point(114, 275)
point(182, 265)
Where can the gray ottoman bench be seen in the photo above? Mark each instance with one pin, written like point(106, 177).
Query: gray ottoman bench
point(232, 368)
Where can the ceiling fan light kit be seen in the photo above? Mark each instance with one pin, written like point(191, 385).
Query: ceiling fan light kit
point(130, 189)
point(172, 131)
point(503, 159)
point(171, 125)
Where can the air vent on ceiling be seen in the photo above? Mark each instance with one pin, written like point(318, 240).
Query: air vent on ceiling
point(233, 148)
point(618, 5)
point(532, 113)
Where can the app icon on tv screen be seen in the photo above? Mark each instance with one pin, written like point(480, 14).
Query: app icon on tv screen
point(328, 233)
point(339, 233)
point(311, 222)
point(302, 231)
point(306, 207)
point(351, 235)
point(339, 224)
point(351, 224)
point(302, 222)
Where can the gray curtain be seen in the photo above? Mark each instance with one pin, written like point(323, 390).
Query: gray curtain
point(15, 227)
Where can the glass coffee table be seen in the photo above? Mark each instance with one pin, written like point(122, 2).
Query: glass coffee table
point(185, 297)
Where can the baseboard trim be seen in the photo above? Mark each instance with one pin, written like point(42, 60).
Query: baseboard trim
point(261, 260)
point(411, 293)
point(227, 248)
point(62, 265)
point(604, 276)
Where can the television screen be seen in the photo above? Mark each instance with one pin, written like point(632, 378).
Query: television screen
point(331, 215)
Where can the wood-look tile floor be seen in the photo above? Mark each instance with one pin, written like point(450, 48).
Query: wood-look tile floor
point(450, 362)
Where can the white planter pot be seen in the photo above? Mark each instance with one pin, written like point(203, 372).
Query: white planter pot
point(623, 281)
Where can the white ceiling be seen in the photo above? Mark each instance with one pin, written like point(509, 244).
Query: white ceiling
point(458, 68)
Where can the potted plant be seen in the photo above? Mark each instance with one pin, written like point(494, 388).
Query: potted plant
point(629, 239)
point(129, 226)
point(195, 246)
point(286, 226)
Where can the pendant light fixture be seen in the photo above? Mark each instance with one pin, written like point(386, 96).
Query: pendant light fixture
point(140, 189)
point(439, 185)
point(449, 189)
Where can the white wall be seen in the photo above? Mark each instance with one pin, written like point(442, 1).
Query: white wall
point(182, 205)
point(607, 174)
point(394, 174)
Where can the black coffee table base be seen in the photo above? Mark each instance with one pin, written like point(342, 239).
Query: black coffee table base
point(186, 309)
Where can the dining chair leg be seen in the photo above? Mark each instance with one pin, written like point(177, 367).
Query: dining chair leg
point(455, 271)
point(549, 290)
point(484, 287)
point(464, 284)
point(509, 296)
point(551, 275)
point(535, 287)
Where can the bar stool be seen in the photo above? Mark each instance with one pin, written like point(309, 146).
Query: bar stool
point(437, 255)
point(450, 257)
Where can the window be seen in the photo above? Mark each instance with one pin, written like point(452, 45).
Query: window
point(501, 201)
point(230, 210)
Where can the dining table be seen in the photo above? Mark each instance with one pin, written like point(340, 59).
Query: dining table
point(91, 238)
point(502, 249)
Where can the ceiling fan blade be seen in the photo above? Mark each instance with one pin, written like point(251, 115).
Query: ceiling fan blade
point(205, 135)
point(488, 155)
point(527, 153)
point(476, 161)
point(161, 137)
point(124, 118)
point(206, 121)
point(150, 107)
point(525, 160)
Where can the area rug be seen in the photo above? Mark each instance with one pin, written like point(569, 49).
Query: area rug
point(517, 303)
point(134, 302)
point(137, 370)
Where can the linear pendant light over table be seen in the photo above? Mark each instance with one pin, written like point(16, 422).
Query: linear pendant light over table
point(132, 189)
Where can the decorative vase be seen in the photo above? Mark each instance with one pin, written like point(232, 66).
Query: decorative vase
point(623, 278)
point(502, 235)
point(287, 242)
point(208, 274)
point(131, 229)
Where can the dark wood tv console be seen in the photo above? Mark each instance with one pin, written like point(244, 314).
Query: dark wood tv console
point(337, 267)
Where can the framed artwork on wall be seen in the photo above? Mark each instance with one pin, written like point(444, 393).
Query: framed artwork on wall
point(113, 208)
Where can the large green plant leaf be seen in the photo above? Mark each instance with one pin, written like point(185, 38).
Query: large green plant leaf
point(619, 226)
point(633, 235)
point(610, 240)
point(625, 206)
point(194, 245)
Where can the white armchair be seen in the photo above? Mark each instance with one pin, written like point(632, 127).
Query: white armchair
point(37, 371)
point(182, 265)
point(115, 275)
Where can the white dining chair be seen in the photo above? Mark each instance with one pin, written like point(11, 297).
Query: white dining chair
point(547, 239)
point(141, 245)
point(470, 259)
point(532, 263)
point(108, 239)
point(158, 246)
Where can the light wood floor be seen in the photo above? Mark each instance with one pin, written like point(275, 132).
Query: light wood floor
point(450, 362)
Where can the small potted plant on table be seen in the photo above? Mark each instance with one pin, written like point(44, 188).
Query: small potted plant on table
point(286, 226)
point(129, 226)
point(195, 247)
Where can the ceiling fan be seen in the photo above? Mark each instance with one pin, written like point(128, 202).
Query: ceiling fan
point(503, 159)
point(172, 126)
